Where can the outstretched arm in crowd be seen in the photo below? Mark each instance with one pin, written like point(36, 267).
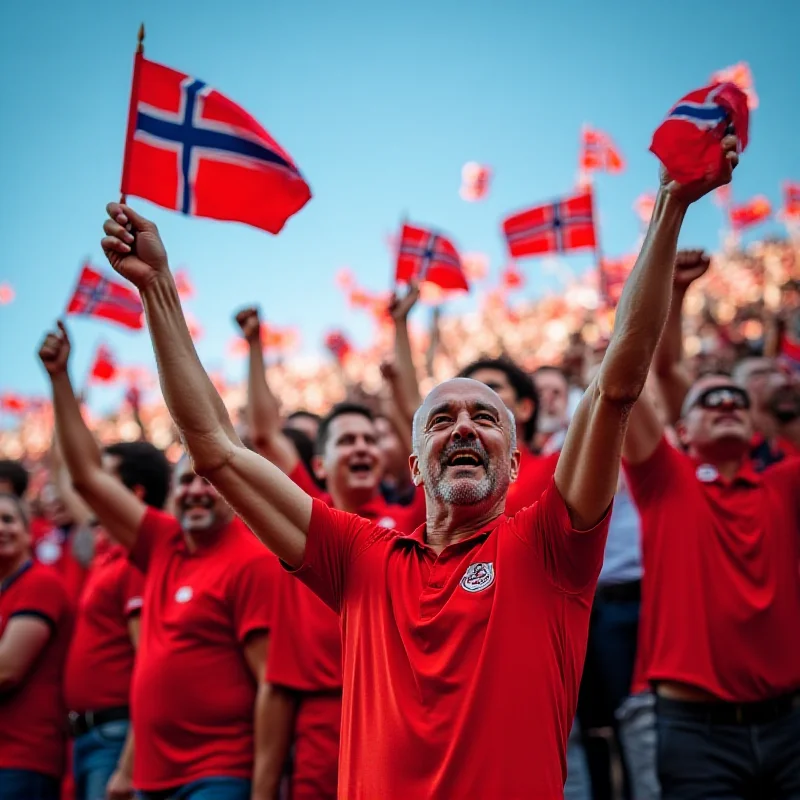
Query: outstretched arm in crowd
point(117, 508)
point(406, 387)
point(263, 410)
point(588, 469)
point(274, 508)
point(669, 369)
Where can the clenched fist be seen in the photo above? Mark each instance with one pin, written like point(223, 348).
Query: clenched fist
point(54, 352)
point(400, 307)
point(689, 192)
point(247, 319)
point(689, 266)
point(132, 246)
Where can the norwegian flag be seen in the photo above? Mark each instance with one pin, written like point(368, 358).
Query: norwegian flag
point(13, 403)
point(338, 345)
point(98, 296)
point(740, 75)
point(557, 227)
point(791, 200)
point(184, 285)
point(191, 149)
point(104, 366)
point(599, 153)
point(688, 141)
point(750, 213)
point(474, 181)
point(429, 257)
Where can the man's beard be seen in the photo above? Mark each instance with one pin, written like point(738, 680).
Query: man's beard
point(784, 405)
point(462, 491)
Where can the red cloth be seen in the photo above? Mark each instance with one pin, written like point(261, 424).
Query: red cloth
point(535, 475)
point(791, 199)
point(563, 225)
point(104, 368)
point(191, 149)
point(688, 141)
point(424, 255)
point(317, 729)
point(105, 298)
point(192, 692)
point(754, 211)
point(52, 547)
point(598, 152)
point(462, 670)
point(33, 717)
point(101, 655)
point(721, 593)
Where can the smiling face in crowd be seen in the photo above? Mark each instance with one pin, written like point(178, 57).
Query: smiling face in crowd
point(198, 506)
point(15, 540)
point(465, 444)
point(351, 459)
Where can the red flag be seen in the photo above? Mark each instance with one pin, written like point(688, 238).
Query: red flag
point(615, 273)
point(644, 205)
point(750, 213)
point(6, 294)
point(791, 200)
point(98, 296)
point(687, 142)
point(598, 152)
point(13, 403)
point(104, 368)
point(191, 149)
point(557, 227)
point(474, 181)
point(740, 75)
point(511, 278)
point(183, 284)
point(338, 345)
point(429, 257)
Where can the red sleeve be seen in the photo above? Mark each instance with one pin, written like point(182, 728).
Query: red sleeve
point(571, 558)
point(786, 474)
point(335, 539)
point(42, 594)
point(132, 585)
point(651, 478)
point(301, 477)
point(251, 594)
point(153, 537)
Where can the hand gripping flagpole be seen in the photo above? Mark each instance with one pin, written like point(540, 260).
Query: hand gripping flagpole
point(137, 60)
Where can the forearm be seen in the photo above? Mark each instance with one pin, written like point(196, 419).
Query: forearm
point(669, 370)
point(262, 406)
point(643, 307)
point(78, 447)
point(273, 723)
point(407, 387)
point(125, 762)
point(193, 402)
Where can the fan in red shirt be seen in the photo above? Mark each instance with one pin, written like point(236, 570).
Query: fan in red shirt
point(35, 623)
point(305, 646)
point(720, 590)
point(196, 696)
point(463, 642)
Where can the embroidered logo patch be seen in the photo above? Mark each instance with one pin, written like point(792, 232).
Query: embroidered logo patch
point(707, 473)
point(478, 577)
point(387, 522)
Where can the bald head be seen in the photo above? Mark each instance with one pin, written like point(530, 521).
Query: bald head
point(463, 389)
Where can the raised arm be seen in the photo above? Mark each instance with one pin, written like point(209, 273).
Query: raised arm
point(588, 469)
point(263, 411)
point(274, 508)
point(117, 508)
point(406, 387)
point(669, 369)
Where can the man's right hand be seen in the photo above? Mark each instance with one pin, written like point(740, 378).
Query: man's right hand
point(400, 307)
point(689, 266)
point(54, 351)
point(247, 319)
point(133, 246)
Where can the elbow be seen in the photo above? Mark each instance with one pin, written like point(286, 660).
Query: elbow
point(207, 462)
point(621, 393)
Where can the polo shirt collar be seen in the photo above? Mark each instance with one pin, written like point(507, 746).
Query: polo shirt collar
point(18, 573)
point(746, 474)
point(417, 536)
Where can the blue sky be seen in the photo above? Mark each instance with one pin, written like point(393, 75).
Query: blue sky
point(380, 105)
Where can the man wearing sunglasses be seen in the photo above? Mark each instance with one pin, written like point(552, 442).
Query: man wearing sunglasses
point(721, 597)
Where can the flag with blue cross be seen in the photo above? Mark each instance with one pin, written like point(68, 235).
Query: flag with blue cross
point(105, 298)
point(428, 257)
point(191, 149)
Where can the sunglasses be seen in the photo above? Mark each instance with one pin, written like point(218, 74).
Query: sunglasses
point(723, 397)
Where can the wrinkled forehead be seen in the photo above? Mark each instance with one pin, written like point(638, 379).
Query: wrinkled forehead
point(461, 393)
point(754, 368)
point(350, 425)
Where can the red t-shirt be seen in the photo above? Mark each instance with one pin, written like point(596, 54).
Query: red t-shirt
point(52, 547)
point(461, 671)
point(535, 474)
point(193, 694)
point(101, 655)
point(721, 593)
point(32, 716)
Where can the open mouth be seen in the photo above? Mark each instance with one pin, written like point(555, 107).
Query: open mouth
point(360, 469)
point(464, 458)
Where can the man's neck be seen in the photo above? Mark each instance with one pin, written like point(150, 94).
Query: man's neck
point(194, 541)
point(726, 462)
point(447, 524)
point(11, 566)
point(352, 500)
point(790, 431)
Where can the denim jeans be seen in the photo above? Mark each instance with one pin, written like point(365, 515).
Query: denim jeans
point(578, 785)
point(94, 758)
point(23, 784)
point(221, 788)
point(636, 721)
point(699, 759)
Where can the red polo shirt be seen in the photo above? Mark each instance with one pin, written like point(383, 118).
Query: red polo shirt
point(32, 716)
point(52, 547)
point(101, 655)
point(461, 671)
point(193, 694)
point(535, 474)
point(721, 594)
